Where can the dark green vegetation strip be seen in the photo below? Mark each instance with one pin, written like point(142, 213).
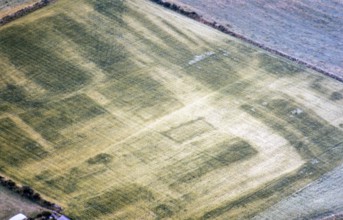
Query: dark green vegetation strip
point(179, 32)
point(163, 211)
point(108, 41)
point(66, 183)
point(292, 121)
point(24, 49)
point(336, 96)
point(277, 66)
point(54, 116)
point(108, 7)
point(109, 56)
point(15, 146)
point(115, 199)
point(16, 95)
point(171, 47)
point(211, 72)
point(188, 130)
point(135, 92)
point(101, 158)
point(267, 195)
point(222, 154)
point(227, 154)
point(322, 149)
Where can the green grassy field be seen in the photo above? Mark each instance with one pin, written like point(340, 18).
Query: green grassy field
point(124, 110)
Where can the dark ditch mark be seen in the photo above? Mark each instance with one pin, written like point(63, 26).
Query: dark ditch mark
point(172, 49)
point(101, 158)
point(44, 175)
point(149, 147)
point(136, 92)
point(323, 135)
point(112, 57)
point(336, 96)
point(67, 183)
point(318, 87)
point(163, 211)
point(16, 147)
point(113, 9)
point(315, 140)
point(12, 94)
point(179, 32)
point(222, 28)
point(168, 208)
point(24, 50)
point(53, 116)
point(16, 95)
point(307, 132)
point(188, 130)
point(281, 127)
point(114, 200)
point(277, 66)
point(214, 72)
point(267, 195)
point(229, 153)
point(237, 89)
point(5, 107)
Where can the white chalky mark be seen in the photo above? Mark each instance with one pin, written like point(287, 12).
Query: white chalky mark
point(201, 57)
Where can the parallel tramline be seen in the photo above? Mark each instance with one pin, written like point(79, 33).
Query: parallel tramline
point(124, 110)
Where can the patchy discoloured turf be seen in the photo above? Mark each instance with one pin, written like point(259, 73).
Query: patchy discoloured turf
point(128, 111)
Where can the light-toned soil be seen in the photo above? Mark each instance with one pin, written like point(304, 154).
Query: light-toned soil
point(11, 204)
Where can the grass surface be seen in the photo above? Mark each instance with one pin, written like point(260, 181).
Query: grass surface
point(123, 110)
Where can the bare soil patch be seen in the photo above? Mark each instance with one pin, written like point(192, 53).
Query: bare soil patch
point(12, 204)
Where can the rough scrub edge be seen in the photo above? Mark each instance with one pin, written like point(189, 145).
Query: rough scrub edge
point(195, 16)
point(22, 12)
point(28, 193)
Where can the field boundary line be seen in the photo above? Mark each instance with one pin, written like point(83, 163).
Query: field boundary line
point(197, 17)
point(24, 11)
point(34, 135)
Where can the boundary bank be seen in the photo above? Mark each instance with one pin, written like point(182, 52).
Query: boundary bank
point(28, 193)
point(24, 11)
